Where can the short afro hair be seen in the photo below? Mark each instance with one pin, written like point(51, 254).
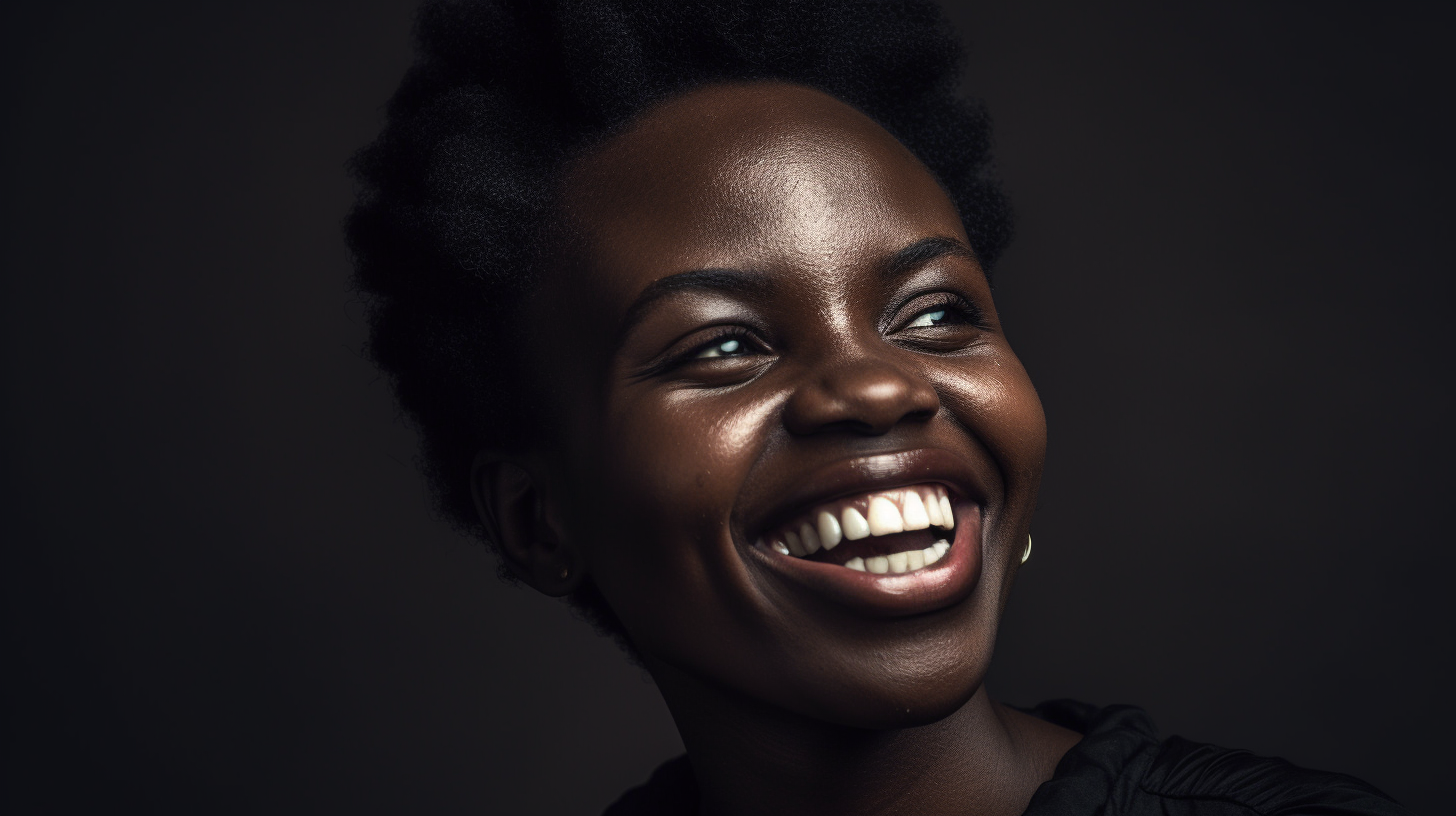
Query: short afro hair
point(504, 93)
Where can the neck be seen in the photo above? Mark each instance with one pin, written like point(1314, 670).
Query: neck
point(748, 757)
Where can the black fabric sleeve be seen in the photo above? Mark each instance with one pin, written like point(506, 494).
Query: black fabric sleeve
point(1190, 777)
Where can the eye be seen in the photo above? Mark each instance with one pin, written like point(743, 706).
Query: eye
point(712, 356)
point(931, 317)
point(949, 311)
point(723, 347)
point(939, 322)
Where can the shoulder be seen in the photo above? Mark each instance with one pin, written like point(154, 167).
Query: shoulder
point(1192, 777)
point(1122, 767)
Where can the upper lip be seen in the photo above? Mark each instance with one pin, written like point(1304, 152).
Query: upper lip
point(867, 474)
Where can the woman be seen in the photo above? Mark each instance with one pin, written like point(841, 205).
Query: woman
point(691, 304)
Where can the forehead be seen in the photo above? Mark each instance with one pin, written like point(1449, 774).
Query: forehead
point(768, 175)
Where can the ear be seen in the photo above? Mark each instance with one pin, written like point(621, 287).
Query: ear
point(513, 505)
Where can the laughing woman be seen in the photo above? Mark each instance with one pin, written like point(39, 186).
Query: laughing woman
point(690, 303)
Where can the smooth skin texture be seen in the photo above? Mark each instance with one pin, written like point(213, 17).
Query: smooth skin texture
point(761, 300)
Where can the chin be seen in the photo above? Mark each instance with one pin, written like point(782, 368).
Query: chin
point(879, 697)
point(879, 709)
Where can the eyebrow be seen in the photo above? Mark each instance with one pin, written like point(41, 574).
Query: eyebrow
point(757, 285)
point(745, 283)
point(923, 252)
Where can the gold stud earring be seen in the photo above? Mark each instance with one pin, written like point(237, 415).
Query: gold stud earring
point(565, 571)
point(1025, 554)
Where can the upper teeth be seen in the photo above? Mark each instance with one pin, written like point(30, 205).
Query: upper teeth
point(874, 514)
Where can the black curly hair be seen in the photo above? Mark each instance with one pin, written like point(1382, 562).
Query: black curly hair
point(503, 93)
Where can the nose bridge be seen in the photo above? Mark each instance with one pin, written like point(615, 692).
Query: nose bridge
point(858, 382)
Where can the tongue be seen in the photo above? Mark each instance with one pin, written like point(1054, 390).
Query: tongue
point(880, 545)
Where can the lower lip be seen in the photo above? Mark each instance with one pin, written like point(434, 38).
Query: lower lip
point(944, 583)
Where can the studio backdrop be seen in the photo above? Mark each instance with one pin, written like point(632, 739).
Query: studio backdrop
point(226, 589)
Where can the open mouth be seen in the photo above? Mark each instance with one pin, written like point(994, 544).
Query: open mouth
point(883, 532)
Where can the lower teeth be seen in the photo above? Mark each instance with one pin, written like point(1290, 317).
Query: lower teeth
point(900, 562)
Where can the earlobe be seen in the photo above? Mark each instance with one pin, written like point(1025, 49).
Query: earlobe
point(512, 500)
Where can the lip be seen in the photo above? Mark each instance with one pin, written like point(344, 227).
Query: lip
point(928, 589)
point(944, 583)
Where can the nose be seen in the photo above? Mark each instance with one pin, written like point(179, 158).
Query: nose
point(860, 392)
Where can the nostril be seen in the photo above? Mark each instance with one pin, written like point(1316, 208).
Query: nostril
point(922, 415)
point(860, 398)
point(850, 427)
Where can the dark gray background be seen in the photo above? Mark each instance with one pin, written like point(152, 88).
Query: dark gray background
point(226, 592)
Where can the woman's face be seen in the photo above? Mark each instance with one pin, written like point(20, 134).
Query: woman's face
point(767, 330)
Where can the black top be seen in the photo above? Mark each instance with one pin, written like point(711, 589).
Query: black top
point(1120, 768)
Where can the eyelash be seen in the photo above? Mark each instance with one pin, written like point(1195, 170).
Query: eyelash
point(722, 335)
point(967, 311)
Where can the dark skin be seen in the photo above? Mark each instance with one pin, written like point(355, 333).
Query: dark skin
point(761, 301)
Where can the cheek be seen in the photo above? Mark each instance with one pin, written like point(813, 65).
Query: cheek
point(670, 468)
point(685, 450)
point(999, 406)
point(996, 400)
